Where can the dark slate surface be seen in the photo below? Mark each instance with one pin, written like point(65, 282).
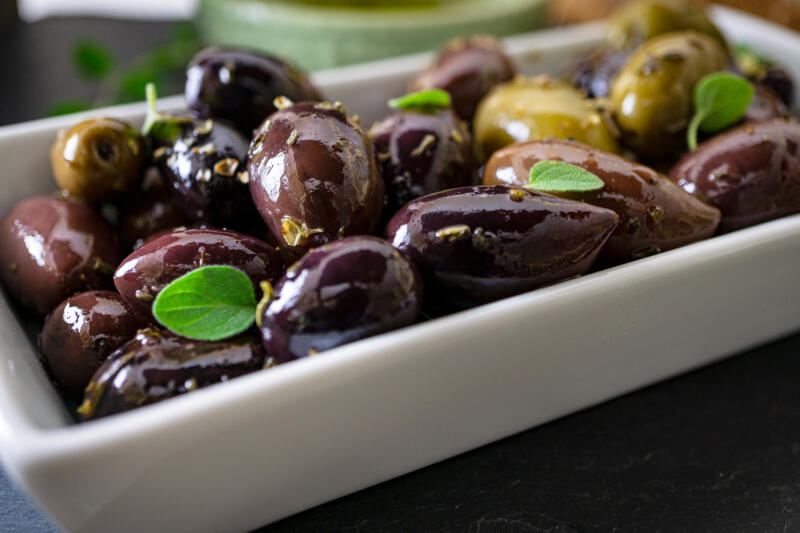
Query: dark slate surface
point(714, 450)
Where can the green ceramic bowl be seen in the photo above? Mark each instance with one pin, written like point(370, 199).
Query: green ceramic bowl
point(318, 34)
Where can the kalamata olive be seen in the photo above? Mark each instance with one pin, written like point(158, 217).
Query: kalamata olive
point(51, 248)
point(467, 68)
point(313, 175)
point(751, 173)
point(152, 211)
point(206, 171)
point(156, 366)
point(639, 21)
point(142, 275)
point(341, 292)
point(420, 153)
point(594, 70)
point(655, 215)
point(764, 71)
point(652, 94)
point(477, 244)
point(98, 159)
point(536, 108)
point(81, 332)
point(240, 85)
point(766, 105)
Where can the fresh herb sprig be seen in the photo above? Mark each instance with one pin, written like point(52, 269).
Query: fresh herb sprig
point(558, 176)
point(428, 100)
point(720, 100)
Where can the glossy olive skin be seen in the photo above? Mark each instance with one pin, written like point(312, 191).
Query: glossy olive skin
point(52, 247)
point(467, 68)
point(341, 292)
point(98, 159)
point(652, 95)
point(478, 244)
point(82, 332)
point(313, 176)
point(537, 108)
point(240, 85)
point(156, 366)
point(655, 215)
point(751, 173)
point(142, 275)
point(639, 21)
point(421, 153)
point(152, 211)
point(766, 105)
point(594, 70)
point(205, 169)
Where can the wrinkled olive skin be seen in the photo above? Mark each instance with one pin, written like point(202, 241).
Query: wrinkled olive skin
point(594, 70)
point(52, 247)
point(467, 68)
point(478, 244)
point(421, 153)
point(152, 211)
point(537, 108)
point(155, 366)
point(751, 173)
point(98, 159)
point(338, 293)
point(313, 176)
point(142, 275)
point(766, 105)
point(655, 215)
point(239, 86)
point(641, 20)
point(205, 169)
point(652, 95)
point(82, 332)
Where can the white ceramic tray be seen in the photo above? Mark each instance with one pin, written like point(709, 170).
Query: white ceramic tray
point(264, 446)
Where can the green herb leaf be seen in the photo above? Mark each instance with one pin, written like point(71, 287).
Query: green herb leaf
point(429, 100)
point(93, 59)
point(163, 129)
point(65, 107)
point(209, 303)
point(557, 176)
point(720, 100)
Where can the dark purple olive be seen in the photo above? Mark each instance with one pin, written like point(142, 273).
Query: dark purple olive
point(156, 366)
point(338, 293)
point(52, 247)
point(82, 332)
point(765, 105)
point(205, 169)
point(467, 68)
point(152, 211)
point(594, 70)
point(780, 82)
point(142, 275)
point(751, 173)
point(421, 153)
point(478, 244)
point(313, 175)
point(240, 85)
point(765, 72)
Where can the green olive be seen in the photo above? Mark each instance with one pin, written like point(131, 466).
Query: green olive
point(536, 108)
point(98, 159)
point(652, 94)
point(639, 21)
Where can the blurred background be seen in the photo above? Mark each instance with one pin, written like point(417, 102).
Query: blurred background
point(71, 55)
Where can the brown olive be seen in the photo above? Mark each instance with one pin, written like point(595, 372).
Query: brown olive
point(98, 159)
point(81, 332)
point(51, 248)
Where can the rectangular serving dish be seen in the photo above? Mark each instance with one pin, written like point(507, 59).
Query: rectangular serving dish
point(264, 446)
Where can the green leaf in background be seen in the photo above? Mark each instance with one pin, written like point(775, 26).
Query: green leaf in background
point(428, 100)
point(557, 176)
point(210, 303)
point(65, 107)
point(93, 59)
point(720, 100)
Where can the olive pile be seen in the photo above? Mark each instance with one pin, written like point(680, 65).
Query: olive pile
point(339, 228)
